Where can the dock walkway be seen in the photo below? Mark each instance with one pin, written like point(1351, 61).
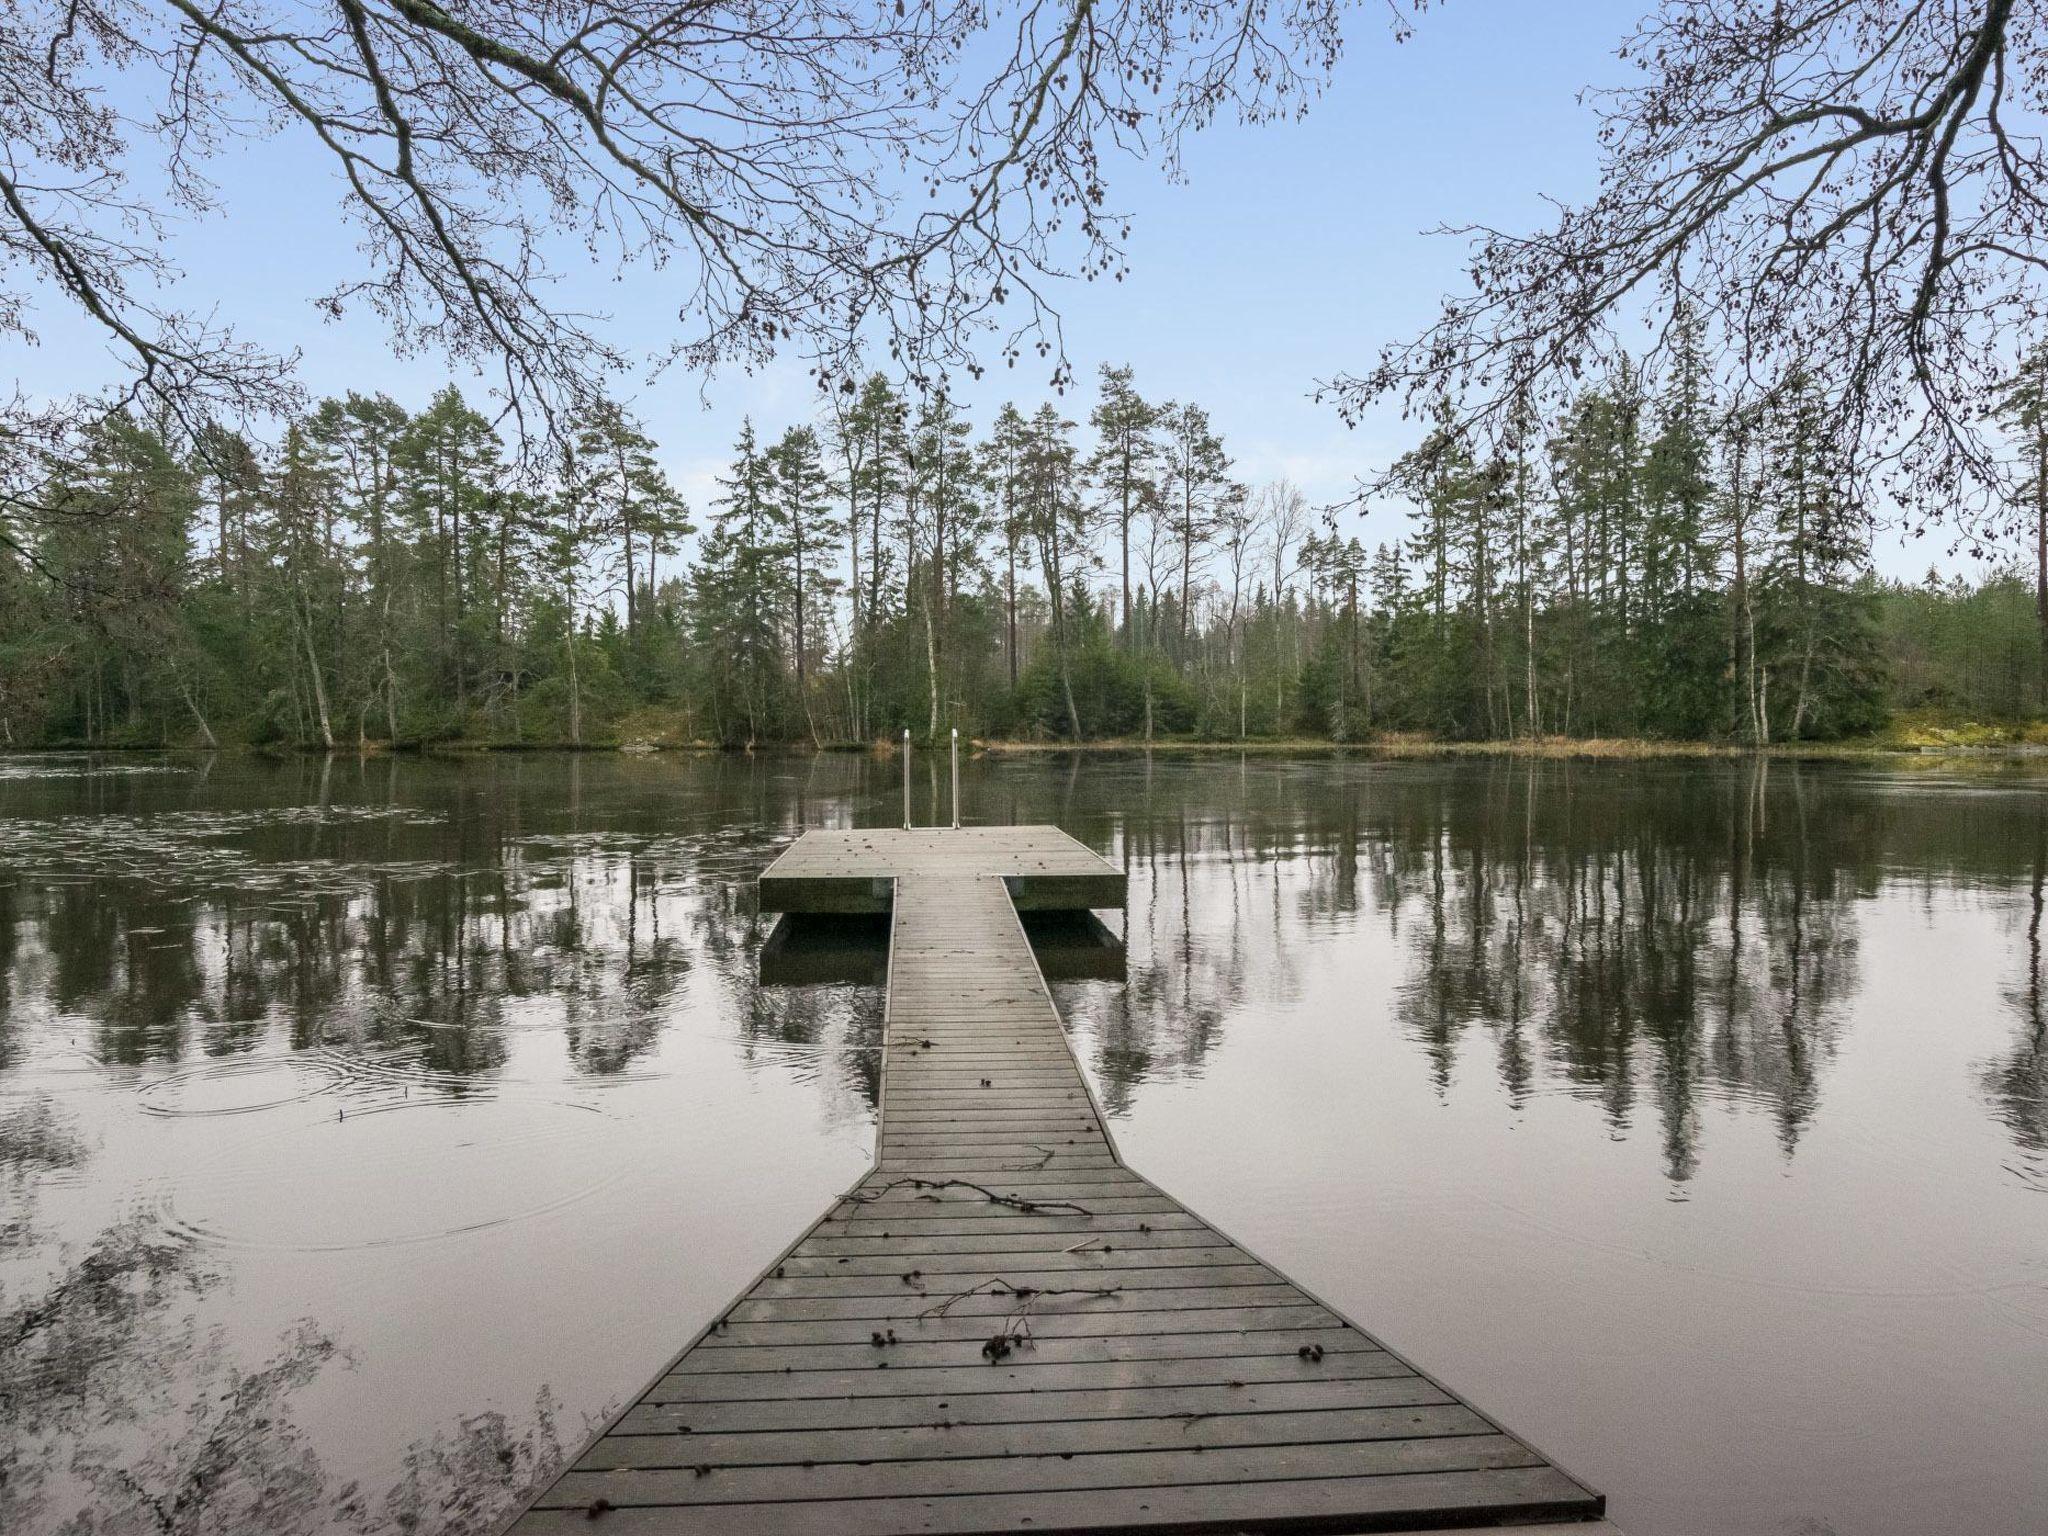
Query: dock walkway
point(1003, 1328)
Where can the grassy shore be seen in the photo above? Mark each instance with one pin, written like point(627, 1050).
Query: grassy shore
point(1922, 735)
point(1914, 735)
point(1406, 745)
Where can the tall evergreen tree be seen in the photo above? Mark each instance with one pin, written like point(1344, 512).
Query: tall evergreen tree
point(1124, 467)
point(805, 530)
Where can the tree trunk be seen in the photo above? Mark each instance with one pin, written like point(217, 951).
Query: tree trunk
point(1742, 636)
point(1803, 698)
point(1187, 569)
point(801, 676)
point(853, 635)
point(390, 676)
point(935, 605)
point(220, 553)
point(1010, 610)
point(319, 682)
point(575, 688)
point(875, 549)
point(1532, 724)
point(1049, 549)
point(205, 730)
point(626, 533)
point(931, 668)
point(1124, 531)
point(1066, 674)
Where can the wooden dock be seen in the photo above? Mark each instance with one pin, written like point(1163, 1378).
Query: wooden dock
point(1003, 1328)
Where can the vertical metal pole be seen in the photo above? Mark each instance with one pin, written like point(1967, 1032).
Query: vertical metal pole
point(906, 778)
point(956, 778)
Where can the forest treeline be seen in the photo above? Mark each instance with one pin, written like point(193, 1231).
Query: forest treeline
point(1650, 560)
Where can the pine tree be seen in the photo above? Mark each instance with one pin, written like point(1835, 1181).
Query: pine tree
point(741, 588)
point(1124, 467)
point(1195, 474)
point(804, 528)
point(447, 463)
point(1058, 521)
point(362, 433)
point(1820, 545)
point(943, 520)
point(1003, 460)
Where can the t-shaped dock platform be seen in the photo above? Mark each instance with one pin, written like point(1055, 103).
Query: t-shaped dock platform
point(1004, 1328)
point(1042, 868)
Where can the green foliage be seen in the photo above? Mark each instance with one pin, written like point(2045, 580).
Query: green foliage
point(1110, 685)
point(1652, 562)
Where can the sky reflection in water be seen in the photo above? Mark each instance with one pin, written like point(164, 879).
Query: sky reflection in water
point(367, 1130)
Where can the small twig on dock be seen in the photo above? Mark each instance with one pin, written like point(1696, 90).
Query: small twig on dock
point(1015, 1331)
point(1026, 1295)
point(994, 1197)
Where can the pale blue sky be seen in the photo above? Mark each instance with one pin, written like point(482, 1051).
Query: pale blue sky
point(1290, 253)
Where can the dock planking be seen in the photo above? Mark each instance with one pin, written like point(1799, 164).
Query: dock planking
point(855, 871)
point(1003, 1327)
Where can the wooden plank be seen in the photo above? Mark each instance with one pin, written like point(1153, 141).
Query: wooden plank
point(1124, 1279)
point(746, 1354)
point(868, 1224)
point(935, 1199)
point(916, 1442)
point(934, 1266)
point(911, 1306)
point(1028, 1178)
point(1011, 1240)
point(955, 1146)
point(1174, 1402)
point(1417, 1500)
point(979, 1476)
point(963, 1381)
point(1020, 1125)
point(975, 1331)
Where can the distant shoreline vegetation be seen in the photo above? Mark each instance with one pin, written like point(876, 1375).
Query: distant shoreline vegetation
point(1918, 738)
point(1647, 568)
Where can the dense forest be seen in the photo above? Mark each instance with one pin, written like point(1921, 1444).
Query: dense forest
point(1649, 559)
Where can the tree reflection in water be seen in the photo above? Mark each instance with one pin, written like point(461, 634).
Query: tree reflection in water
point(1648, 938)
point(1656, 949)
point(118, 1406)
point(393, 929)
point(2016, 1084)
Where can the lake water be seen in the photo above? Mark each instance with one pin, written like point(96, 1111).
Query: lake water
point(368, 1130)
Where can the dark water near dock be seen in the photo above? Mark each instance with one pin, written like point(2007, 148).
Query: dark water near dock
point(369, 1129)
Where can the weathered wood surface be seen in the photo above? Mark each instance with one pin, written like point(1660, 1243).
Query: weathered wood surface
point(855, 870)
point(1003, 1328)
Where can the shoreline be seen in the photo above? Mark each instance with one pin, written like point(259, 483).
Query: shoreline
point(1396, 746)
point(1548, 748)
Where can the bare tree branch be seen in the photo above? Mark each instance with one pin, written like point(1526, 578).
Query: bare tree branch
point(1855, 188)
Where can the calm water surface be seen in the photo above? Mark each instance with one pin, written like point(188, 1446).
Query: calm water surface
point(367, 1131)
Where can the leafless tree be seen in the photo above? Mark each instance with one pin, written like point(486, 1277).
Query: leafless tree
point(1858, 185)
point(1283, 512)
point(815, 174)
